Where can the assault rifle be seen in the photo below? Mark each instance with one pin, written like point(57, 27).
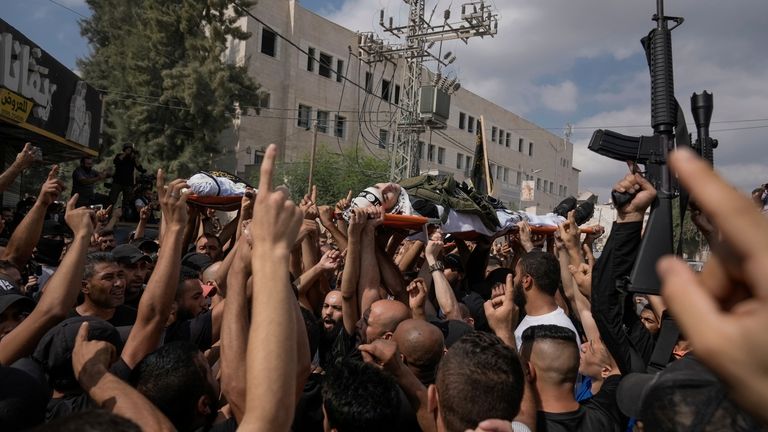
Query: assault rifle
point(669, 131)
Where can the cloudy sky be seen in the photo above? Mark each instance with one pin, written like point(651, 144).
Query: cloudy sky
point(564, 61)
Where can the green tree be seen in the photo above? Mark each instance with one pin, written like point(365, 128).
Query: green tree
point(334, 175)
point(167, 87)
point(691, 236)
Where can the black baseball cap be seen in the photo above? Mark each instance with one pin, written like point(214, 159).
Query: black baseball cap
point(148, 246)
point(9, 298)
point(684, 396)
point(196, 261)
point(54, 351)
point(126, 253)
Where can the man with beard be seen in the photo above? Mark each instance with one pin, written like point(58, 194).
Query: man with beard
point(84, 180)
point(104, 291)
point(134, 264)
point(537, 278)
point(190, 319)
point(331, 317)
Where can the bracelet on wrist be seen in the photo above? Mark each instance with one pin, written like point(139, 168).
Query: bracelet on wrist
point(437, 266)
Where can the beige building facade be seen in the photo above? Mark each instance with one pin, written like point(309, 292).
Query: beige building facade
point(354, 105)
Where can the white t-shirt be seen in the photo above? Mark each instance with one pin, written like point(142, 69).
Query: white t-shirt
point(556, 317)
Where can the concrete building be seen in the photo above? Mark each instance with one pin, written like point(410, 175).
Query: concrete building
point(354, 105)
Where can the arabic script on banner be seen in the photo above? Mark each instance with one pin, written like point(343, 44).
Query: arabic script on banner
point(14, 107)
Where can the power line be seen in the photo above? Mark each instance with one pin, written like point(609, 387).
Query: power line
point(67, 8)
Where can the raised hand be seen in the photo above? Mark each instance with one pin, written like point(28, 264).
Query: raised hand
point(173, 200)
point(417, 297)
point(276, 219)
point(246, 203)
point(27, 156)
point(589, 238)
point(145, 213)
point(569, 232)
point(103, 214)
point(52, 187)
point(309, 204)
point(343, 203)
point(325, 213)
point(357, 221)
point(375, 217)
point(383, 354)
point(502, 314)
point(90, 355)
point(330, 260)
point(644, 194)
point(583, 277)
point(710, 309)
point(82, 220)
point(524, 234)
point(434, 246)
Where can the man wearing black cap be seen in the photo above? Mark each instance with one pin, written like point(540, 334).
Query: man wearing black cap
point(14, 307)
point(134, 264)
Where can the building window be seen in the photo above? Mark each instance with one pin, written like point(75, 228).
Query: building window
point(326, 65)
point(368, 82)
point(421, 149)
point(499, 172)
point(268, 42)
point(431, 153)
point(340, 126)
point(530, 148)
point(560, 190)
point(565, 190)
point(459, 160)
point(545, 186)
point(383, 138)
point(397, 94)
point(262, 101)
point(520, 145)
point(509, 140)
point(468, 163)
point(506, 175)
point(550, 187)
point(440, 155)
point(385, 92)
point(305, 114)
point(519, 179)
point(471, 125)
point(339, 70)
point(311, 59)
point(501, 136)
point(494, 131)
point(538, 184)
point(462, 120)
point(322, 121)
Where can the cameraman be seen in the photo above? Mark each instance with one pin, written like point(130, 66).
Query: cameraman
point(123, 179)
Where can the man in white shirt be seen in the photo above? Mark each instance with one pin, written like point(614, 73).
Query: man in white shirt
point(537, 278)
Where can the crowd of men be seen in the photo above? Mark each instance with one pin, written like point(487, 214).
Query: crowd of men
point(293, 317)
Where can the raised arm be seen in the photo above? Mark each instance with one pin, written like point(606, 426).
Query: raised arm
point(351, 275)
point(155, 304)
point(443, 291)
point(272, 353)
point(234, 331)
point(24, 239)
point(23, 160)
point(90, 362)
point(60, 292)
point(370, 278)
point(326, 218)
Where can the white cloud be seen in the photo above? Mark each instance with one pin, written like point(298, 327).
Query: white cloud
point(720, 47)
point(560, 97)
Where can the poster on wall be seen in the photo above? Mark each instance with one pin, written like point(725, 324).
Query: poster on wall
point(527, 191)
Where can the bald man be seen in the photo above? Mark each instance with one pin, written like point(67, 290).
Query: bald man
point(383, 317)
point(552, 357)
point(422, 347)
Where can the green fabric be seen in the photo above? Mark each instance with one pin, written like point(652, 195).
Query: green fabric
point(446, 192)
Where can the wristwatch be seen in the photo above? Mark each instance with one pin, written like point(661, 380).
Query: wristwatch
point(438, 265)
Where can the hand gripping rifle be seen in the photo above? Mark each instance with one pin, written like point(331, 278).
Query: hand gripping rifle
point(669, 130)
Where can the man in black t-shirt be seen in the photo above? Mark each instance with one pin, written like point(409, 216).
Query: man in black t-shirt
point(123, 179)
point(553, 361)
point(104, 291)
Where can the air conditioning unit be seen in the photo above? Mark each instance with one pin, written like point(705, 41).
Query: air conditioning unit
point(434, 107)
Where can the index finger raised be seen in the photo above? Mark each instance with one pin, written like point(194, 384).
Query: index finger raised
point(267, 168)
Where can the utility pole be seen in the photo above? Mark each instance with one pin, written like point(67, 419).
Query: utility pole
point(312, 159)
point(419, 35)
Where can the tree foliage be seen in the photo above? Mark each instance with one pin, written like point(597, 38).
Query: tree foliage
point(334, 174)
point(167, 87)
